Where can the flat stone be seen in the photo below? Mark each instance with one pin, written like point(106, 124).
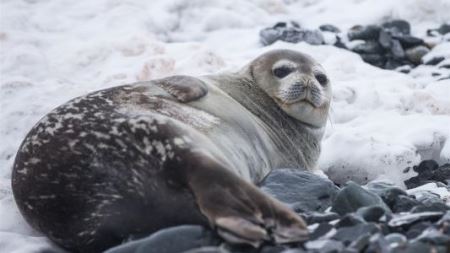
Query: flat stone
point(371, 213)
point(409, 41)
point(349, 234)
point(414, 247)
point(397, 50)
point(317, 217)
point(396, 239)
point(207, 250)
point(321, 230)
point(374, 59)
point(404, 203)
point(353, 196)
point(368, 47)
point(325, 246)
point(415, 54)
point(307, 191)
point(329, 28)
point(349, 220)
point(187, 237)
point(408, 219)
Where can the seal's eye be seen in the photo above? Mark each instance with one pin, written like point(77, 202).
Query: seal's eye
point(282, 71)
point(322, 79)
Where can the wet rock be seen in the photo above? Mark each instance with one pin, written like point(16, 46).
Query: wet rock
point(409, 41)
point(273, 249)
point(385, 39)
point(268, 36)
point(444, 29)
point(416, 229)
point(370, 32)
point(353, 196)
point(349, 220)
point(207, 250)
point(378, 244)
point(398, 26)
point(435, 60)
point(371, 213)
point(316, 217)
point(409, 219)
point(404, 203)
point(432, 207)
point(188, 237)
point(325, 246)
point(339, 43)
point(369, 47)
point(320, 231)
point(429, 171)
point(414, 247)
point(415, 54)
point(349, 234)
point(360, 243)
point(433, 236)
point(329, 28)
point(397, 50)
point(320, 191)
point(294, 251)
point(396, 239)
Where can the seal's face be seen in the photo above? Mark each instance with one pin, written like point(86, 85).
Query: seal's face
point(297, 83)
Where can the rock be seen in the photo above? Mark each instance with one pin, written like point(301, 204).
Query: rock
point(315, 217)
point(416, 229)
point(444, 29)
point(374, 59)
point(207, 250)
point(325, 246)
point(353, 196)
point(349, 220)
point(442, 174)
point(398, 26)
point(371, 213)
point(320, 231)
point(433, 236)
point(404, 204)
point(433, 207)
point(329, 28)
point(435, 60)
point(268, 36)
point(409, 219)
point(415, 54)
point(397, 50)
point(361, 243)
point(386, 190)
point(187, 237)
point(370, 32)
point(426, 166)
point(273, 249)
point(347, 235)
point(339, 43)
point(392, 63)
point(294, 251)
point(414, 247)
point(320, 191)
point(368, 47)
point(378, 244)
point(396, 239)
point(429, 171)
point(385, 39)
point(313, 37)
point(409, 41)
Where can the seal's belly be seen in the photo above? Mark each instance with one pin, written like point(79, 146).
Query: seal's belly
point(234, 130)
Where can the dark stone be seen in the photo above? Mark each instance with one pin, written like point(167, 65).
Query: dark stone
point(385, 39)
point(325, 246)
point(368, 47)
point(370, 32)
point(397, 50)
point(409, 219)
point(187, 237)
point(321, 230)
point(435, 60)
point(329, 28)
point(268, 36)
point(294, 251)
point(426, 166)
point(349, 220)
point(280, 25)
point(273, 249)
point(315, 217)
point(353, 196)
point(416, 229)
point(339, 43)
point(429, 171)
point(349, 234)
point(442, 174)
point(374, 59)
point(404, 204)
point(386, 190)
point(320, 191)
point(415, 54)
point(444, 29)
point(371, 213)
point(409, 41)
point(290, 32)
point(445, 66)
point(398, 26)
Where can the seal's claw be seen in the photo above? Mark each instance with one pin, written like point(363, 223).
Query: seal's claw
point(240, 231)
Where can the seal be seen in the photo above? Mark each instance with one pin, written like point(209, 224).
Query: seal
point(133, 159)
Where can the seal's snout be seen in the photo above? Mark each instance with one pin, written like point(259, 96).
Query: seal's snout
point(301, 91)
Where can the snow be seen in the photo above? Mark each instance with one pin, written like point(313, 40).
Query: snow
point(51, 51)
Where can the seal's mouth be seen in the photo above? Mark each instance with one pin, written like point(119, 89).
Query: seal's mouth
point(284, 102)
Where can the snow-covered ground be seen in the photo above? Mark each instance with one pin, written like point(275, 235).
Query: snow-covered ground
point(51, 51)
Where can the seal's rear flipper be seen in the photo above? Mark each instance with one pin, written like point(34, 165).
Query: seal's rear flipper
point(183, 88)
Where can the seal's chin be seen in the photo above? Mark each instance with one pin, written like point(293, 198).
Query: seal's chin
point(299, 101)
point(305, 111)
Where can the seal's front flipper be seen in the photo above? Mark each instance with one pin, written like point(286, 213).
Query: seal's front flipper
point(183, 88)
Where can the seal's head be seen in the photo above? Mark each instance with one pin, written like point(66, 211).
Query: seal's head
point(297, 83)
